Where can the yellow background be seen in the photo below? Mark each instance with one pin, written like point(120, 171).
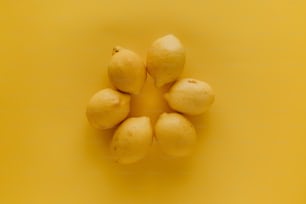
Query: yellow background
point(252, 144)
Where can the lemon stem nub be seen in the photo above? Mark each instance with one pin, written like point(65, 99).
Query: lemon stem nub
point(115, 50)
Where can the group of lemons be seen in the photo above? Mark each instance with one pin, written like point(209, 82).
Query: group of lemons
point(127, 72)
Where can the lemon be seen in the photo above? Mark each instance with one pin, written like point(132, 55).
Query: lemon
point(190, 96)
point(127, 71)
point(132, 140)
point(107, 108)
point(165, 60)
point(175, 134)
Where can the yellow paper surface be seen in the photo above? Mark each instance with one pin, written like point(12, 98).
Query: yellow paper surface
point(251, 146)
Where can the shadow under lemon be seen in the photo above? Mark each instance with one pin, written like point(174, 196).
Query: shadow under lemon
point(157, 173)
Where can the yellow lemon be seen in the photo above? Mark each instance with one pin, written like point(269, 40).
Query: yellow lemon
point(175, 134)
point(165, 60)
point(107, 108)
point(190, 96)
point(127, 71)
point(132, 140)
